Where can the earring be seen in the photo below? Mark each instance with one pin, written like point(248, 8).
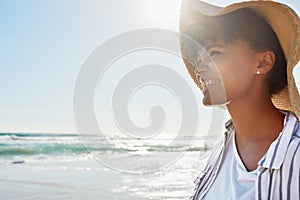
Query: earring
point(258, 72)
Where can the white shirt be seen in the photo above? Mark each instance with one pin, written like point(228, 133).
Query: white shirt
point(233, 180)
point(278, 172)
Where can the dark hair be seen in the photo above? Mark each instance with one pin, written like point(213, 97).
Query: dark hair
point(246, 25)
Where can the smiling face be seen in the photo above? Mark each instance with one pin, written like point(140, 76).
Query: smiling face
point(233, 42)
point(226, 71)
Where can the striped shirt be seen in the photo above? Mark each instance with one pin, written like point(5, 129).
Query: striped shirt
point(278, 172)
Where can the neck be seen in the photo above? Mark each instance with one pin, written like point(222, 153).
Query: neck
point(255, 119)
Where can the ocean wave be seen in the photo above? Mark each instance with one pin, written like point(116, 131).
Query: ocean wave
point(60, 144)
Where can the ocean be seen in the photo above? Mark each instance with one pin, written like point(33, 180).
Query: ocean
point(69, 166)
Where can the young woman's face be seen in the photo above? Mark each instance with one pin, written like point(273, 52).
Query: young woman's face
point(226, 72)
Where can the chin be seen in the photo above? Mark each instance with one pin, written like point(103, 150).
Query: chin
point(215, 98)
point(208, 103)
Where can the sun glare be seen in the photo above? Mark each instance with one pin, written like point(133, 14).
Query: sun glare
point(162, 12)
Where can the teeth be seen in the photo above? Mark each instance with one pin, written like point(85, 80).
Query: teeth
point(204, 83)
point(208, 83)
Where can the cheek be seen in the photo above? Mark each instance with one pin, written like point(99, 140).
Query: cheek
point(237, 78)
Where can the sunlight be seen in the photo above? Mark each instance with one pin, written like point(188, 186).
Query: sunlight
point(296, 73)
point(162, 12)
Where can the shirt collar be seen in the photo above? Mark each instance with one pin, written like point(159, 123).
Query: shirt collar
point(276, 153)
point(229, 128)
point(228, 124)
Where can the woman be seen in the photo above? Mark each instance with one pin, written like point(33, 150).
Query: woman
point(242, 56)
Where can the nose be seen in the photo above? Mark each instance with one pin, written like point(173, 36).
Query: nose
point(201, 68)
point(203, 62)
point(198, 70)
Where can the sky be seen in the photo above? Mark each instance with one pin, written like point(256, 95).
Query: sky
point(44, 45)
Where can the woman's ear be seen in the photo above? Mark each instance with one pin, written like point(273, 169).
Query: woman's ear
point(266, 62)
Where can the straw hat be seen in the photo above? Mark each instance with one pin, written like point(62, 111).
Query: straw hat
point(283, 20)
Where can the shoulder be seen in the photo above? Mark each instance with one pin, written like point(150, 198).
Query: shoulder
point(296, 130)
point(293, 151)
point(289, 172)
point(295, 140)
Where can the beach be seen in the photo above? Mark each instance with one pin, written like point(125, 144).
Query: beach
point(75, 174)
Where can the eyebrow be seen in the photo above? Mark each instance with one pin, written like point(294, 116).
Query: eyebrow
point(209, 46)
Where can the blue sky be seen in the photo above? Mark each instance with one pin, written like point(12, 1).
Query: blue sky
point(45, 42)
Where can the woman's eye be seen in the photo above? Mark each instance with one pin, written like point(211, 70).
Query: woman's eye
point(213, 53)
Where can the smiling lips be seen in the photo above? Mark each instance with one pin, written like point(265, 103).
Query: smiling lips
point(205, 83)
